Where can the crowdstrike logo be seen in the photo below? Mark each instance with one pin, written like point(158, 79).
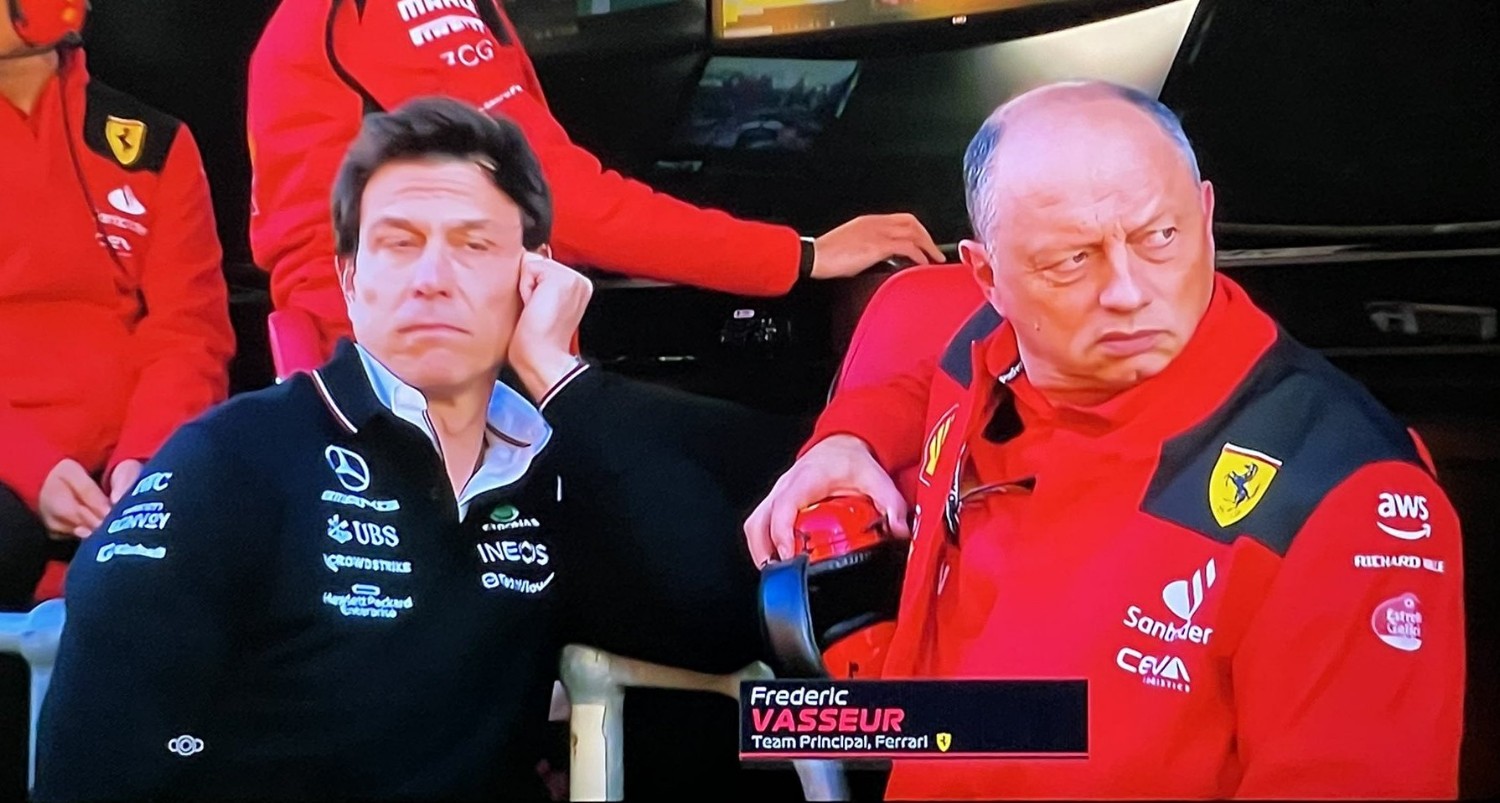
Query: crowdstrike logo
point(123, 199)
point(1397, 513)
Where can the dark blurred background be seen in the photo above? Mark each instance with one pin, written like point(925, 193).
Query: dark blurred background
point(1353, 145)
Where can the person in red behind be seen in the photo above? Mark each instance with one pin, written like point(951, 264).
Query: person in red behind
point(1132, 475)
point(114, 316)
point(321, 65)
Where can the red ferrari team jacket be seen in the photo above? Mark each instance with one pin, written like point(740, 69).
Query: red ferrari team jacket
point(114, 316)
point(322, 64)
point(1248, 559)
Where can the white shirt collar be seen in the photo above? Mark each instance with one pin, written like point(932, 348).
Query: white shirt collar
point(515, 431)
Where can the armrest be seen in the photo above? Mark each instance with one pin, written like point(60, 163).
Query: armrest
point(596, 682)
point(35, 636)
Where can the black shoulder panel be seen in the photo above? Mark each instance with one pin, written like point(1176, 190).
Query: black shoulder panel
point(126, 131)
point(1296, 408)
point(958, 359)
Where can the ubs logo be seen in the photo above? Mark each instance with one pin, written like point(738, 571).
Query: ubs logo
point(350, 469)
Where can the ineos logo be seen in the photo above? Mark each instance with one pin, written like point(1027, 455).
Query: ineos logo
point(350, 468)
point(185, 745)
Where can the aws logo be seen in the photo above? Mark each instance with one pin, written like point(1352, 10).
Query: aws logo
point(1397, 512)
point(933, 450)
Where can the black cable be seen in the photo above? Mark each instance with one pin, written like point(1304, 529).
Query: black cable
point(83, 185)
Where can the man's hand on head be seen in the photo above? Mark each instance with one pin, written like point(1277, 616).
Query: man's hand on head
point(553, 300)
point(869, 239)
point(70, 502)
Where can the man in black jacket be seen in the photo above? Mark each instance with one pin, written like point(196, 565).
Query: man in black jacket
point(356, 584)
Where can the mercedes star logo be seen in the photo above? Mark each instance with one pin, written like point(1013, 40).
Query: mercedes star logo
point(349, 467)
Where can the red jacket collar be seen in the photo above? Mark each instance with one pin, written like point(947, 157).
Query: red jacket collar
point(1230, 338)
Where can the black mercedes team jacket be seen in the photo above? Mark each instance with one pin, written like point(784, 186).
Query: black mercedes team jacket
point(288, 604)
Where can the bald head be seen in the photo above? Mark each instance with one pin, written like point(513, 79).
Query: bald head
point(1066, 126)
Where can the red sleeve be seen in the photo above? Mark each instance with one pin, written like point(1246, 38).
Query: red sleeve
point(1350, 680)
point(185, 341)
point(398, 51)
point(889, 416)
point(29, 456)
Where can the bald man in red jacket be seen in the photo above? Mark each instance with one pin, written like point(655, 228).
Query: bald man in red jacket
point(322, 64)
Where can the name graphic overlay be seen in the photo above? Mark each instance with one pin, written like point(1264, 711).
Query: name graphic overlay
point(781, 720)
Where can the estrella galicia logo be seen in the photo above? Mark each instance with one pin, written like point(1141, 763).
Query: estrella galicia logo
point(350, 469)
point(504, 514)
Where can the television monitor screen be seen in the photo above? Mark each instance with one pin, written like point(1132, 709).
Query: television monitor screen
point(559, 26)
point(735, 19)
point(753, 104)
point(589, 8)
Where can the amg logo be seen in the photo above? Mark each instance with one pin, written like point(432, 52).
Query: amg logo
point(442, 26)
point(412, 9)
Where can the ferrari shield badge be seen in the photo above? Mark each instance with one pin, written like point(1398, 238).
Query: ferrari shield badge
point(1239, 481)
point(125, 138)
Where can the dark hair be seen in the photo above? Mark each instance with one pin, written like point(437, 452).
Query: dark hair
point(442, 127)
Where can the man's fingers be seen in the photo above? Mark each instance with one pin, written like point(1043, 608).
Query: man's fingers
point(783, 521)
point(757, 534)
point(88, 493)
point(890, 501)
point(929, 246)
point(82, 532)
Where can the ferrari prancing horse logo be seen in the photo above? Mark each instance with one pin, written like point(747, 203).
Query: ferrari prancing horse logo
point(1239, 481)
point(125, 138)
point(944, 741)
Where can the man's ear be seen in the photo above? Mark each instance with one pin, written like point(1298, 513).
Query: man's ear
point(1206, 198)
point(545, 250)
point(345, 268)
point(977, 259)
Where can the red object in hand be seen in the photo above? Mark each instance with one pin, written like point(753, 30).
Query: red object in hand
point(838, 526)
point(831, 528)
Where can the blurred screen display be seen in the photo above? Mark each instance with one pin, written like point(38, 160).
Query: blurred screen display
point(749, 104)
point(736, 19)
point(589, 8)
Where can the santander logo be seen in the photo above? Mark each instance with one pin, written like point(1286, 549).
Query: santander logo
point(1398, 512)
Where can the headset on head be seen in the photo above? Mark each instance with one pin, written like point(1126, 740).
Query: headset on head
point(47, 23)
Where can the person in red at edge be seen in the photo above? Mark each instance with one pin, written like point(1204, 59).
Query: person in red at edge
point(321, 65)
point(114, 315)
point(1142, 481)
